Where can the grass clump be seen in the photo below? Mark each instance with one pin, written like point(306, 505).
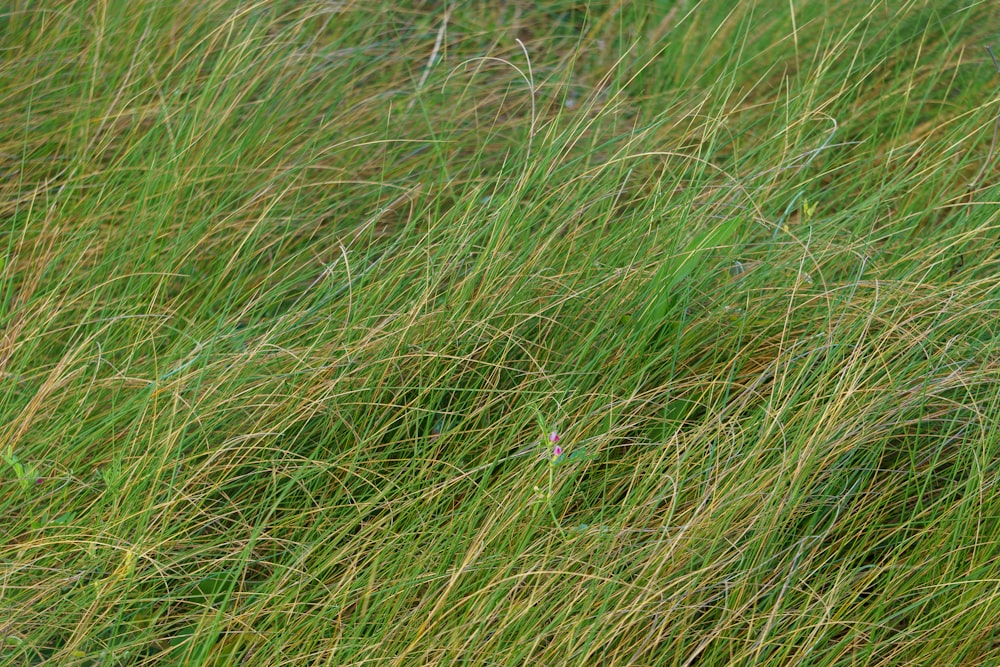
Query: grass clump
point(298, 297)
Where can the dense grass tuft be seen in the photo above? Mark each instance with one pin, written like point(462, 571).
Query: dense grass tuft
point(294, 293)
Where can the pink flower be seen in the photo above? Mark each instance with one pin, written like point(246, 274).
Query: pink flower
point(556, 451)
point(554, 437)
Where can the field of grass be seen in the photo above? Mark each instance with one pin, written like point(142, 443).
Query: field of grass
point(499, 333)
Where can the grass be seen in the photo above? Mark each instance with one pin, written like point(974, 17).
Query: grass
point(294, 293)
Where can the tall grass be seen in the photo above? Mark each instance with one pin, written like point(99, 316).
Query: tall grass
point(294, 293)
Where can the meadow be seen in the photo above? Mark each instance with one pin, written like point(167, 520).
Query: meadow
point(499, 333)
